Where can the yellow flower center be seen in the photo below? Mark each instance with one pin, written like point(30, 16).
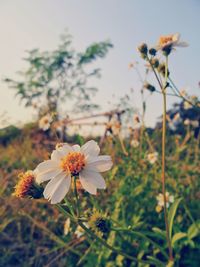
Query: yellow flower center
point(73, 162)
point(164, 40)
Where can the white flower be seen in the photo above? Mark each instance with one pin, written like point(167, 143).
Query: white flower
point(186, 105)
point(169, 199)
point(173, 123)
point(67, 226)
point(80, 231)
point(135, 143)
point(195, 124)
point(67, 161)
point(170, 42)
point(152, 157)
point(45, 122)
point(187, 122)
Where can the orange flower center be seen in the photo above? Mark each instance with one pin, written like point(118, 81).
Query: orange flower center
point(73, 162)
point(164, 40)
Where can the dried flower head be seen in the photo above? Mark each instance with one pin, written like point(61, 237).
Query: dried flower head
point(135, 143)
point(99, 223)
point(149, 87)
point(143, 49)
point(27, 187)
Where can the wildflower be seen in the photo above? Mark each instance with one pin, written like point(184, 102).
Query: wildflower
point(67, 161)
point(161, 69)
point(160, 199)
point(183, 93)
point(168, 42)
point(99, 223)
point(45, 122)
point(149, 87)
point(152, 157)
point(195, 123)
point(143, 49)
point(26, 186)
point(80, 231)
point(134, 143)
point(152, 51)
point(186, 122)
point(67, 226)
point(154, 62)
point(173, 123)
point(186, 105)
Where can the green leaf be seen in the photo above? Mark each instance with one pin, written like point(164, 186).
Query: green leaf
point(160, 233)
point(193, 230)
point(171, 215)
point(177, 237)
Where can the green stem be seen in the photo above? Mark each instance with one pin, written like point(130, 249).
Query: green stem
point(77, 199)
point(164, 161)
point(103, 242)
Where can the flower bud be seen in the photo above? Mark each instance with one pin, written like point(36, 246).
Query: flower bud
point(152, 51)
point(143, 49)
point(155, 62)
point(149, 87)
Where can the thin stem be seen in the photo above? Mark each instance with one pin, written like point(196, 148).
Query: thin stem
point(156, 75)
point(77, 199)
point(164, 161)
point(103, 242)
point(180, 95)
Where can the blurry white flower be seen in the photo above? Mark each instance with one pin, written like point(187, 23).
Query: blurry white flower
point(67, 161)
point(135, 143)
point(186, 122)
point(80, 231)
point(170, 42)
point(195, 124)
point(45, 122)
point(67, 226)
point(152, 157)
point(160, 199)
point(186, 105)
point(173, 123)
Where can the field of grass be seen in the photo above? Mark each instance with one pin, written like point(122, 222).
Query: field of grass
point(32, 231)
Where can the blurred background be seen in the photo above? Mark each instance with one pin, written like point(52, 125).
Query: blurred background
point(26, 25)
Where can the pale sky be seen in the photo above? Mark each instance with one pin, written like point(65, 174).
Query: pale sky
point(25, 25)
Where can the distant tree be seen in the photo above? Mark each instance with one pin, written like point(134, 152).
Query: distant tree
point(59, 76)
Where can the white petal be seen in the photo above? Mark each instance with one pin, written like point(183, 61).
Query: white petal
point(99, 164)
point(89, 187)
point(57, 188)
point(76, 148)
point(182, 44)
point(45, 176)
point(91, 148)
point(56, 156)
point(93, 178)
point(176, 37)
point(65, 149)
point(171, 199)
point(46, 166)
